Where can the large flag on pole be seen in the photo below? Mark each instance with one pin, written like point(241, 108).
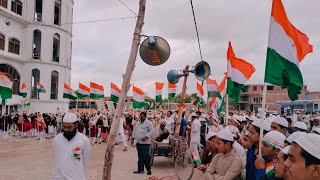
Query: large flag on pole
point(239, 71)
point(172, 88)
point(5, 87)
point(40, 88)
point(213, 88)
point(159, 87)
point(287, 47)
point(68, 93)
point(197, 96)
point(96, 91)
point(83, 91)
point(138, 98)
point(217, 103)
point(115, 93)
point(23, 91)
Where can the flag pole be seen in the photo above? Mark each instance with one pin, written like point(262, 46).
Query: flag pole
point(227, 110)
point(264, 95)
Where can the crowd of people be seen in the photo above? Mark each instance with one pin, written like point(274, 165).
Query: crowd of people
point(229, 146)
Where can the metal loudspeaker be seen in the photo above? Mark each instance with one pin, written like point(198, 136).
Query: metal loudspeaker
point(201, 70)
point(173, 76)
point(154, 50)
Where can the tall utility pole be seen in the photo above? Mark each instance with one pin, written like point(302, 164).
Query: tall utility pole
point(108, 159)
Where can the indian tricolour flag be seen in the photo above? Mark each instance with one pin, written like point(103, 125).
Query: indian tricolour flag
point(23, 91)
point(83, 91)
point(115, 93)
point(196, 158)
point(5, 87)
point(217, 103)
point(26, 102)
point(138, 98)
point(68, 93)
point(40, 88)
point(287, 47)
point(172, 88)
point(159, 86)
point(239, 71)
point(212, 88)
point(96, 91)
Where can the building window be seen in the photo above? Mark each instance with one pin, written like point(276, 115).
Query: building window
point(14, 46)
point(254, 88)
point(2, 41)
point(35, 77)
point(56, 47)
point(270, 88)
point(36, 50)
point(57, 12)
point(16, 6)
point(13, 75)
point(54, 85)
point(4, 3)
point(316, 107)
point(38, 10)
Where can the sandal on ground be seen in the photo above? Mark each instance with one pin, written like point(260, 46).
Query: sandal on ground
point(138, 172)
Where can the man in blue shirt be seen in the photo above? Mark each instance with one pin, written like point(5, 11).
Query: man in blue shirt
point(183, 127)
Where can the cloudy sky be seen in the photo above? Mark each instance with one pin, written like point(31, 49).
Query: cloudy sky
point(101, 49)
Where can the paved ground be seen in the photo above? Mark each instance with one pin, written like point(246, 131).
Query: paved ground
point(29, 159)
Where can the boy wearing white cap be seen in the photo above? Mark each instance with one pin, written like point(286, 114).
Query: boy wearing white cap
point(299, 126)
point(225, 165)
point(272, 143)
point(71, 150)
point(279, 168)
point(279, 124)
point(304, 158)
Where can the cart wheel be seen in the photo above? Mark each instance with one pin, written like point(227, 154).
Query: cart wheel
point(151, 153)
point(184, 166)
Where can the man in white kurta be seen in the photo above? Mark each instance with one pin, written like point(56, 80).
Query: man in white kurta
point(71, 151)
point(195, 135)
point(121, 138)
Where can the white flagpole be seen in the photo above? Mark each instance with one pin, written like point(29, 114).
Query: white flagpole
point(227, 109)
point(264, 95)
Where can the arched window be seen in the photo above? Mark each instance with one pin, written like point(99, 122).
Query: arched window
point(54, 85)
point(13, 75)
point(4, 3)
point(14, 46)
point(35, 77)
point(38, 10)
point(16, 6)
point(36, 51)
point(2, 41)
point(57, 12)
point(56, 47)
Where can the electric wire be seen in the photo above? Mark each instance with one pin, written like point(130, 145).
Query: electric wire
point(195, 24)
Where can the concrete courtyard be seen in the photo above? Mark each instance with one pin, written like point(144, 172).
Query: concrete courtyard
point(29, 159)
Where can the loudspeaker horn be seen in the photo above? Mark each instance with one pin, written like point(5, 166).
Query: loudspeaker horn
point(154, 50)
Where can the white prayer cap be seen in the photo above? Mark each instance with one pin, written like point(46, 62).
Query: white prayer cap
point(300, 125)
point(205, 116)
point(266, 125)
point(70, 118)
point(310, 143)
point(286, 149)
point(233, 129)
point(225, 135)
point(232, 118)
point(274, 139)
point(281, 121)
point(193, 114)
point(253, 118)
point(271, 119)
point(202, 119)
point(294, 136)
point(210, 134)
point(316, 130)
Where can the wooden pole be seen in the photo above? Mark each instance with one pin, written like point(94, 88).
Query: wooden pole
point(264, 95)
point(106, 175)
point(183, 97)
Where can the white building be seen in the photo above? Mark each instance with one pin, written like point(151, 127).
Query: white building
point(36, 46)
